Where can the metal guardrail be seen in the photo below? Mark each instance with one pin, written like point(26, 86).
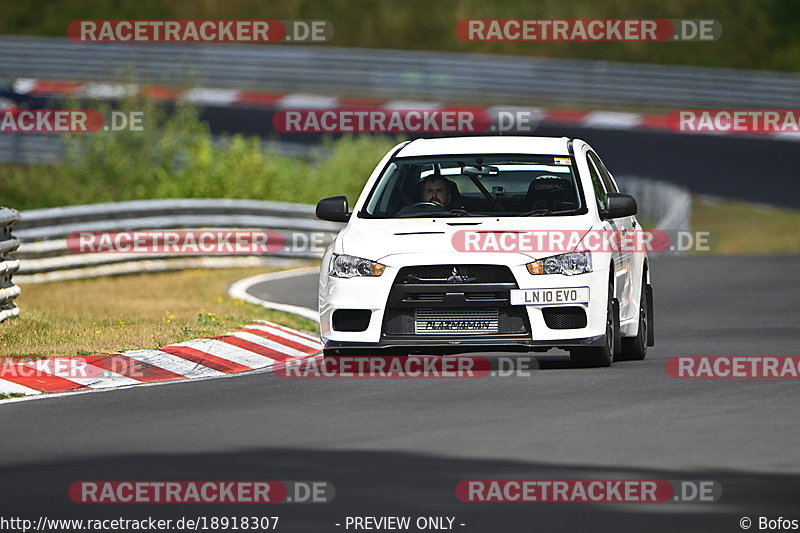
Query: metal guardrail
point(8, 264)
point(46, 257)
point(43, 148)
point(669, 206)
point(443, 76)
point(31, 148)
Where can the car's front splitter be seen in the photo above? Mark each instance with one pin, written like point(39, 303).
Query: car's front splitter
point(449, 346)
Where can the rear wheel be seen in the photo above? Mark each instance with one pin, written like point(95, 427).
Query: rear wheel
point(602, 355)
point(635, 348)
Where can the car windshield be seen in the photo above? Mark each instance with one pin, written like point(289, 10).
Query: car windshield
point(476, 185)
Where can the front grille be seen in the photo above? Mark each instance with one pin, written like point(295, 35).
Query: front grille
point(423, 297)
point(564, 317)
point(480, 296)
point(464, 322)
point(475, 296)
point(427, 297)
point(463, 274)
point(401, 322)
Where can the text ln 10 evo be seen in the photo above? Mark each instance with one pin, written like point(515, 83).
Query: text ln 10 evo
point(393, 281)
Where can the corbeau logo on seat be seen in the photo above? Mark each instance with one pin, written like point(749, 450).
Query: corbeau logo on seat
point(549, 186)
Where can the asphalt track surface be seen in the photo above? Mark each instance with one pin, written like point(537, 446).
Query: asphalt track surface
point(750, 168)
point(399, 447)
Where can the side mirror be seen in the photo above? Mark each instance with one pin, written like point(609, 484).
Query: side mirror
point(620, 205)
point(333, 209)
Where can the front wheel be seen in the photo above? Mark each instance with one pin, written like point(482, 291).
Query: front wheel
point(603, 355)
point(635, 348)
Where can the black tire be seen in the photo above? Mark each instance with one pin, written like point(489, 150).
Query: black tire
point(651, 321)
point(635, 348)
point(602, 355)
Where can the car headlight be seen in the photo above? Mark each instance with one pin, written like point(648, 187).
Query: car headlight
point(567, 264)
point(347, 266)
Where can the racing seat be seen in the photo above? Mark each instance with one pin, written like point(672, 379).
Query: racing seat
point(550, 192)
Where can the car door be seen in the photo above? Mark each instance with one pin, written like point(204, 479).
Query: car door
point(628, 270)
point(614, 225)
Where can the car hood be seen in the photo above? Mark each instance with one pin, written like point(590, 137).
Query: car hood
point(379, 238)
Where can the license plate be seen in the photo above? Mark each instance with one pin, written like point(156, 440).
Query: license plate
point(430, 322)
point(573, 295)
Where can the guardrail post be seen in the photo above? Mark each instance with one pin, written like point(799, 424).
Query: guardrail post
point(8, 264)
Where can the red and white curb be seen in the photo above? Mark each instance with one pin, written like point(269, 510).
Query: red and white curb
point(258, 345)
point(277, 101)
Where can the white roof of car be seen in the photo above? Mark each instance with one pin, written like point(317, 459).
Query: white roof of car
point(496, 144)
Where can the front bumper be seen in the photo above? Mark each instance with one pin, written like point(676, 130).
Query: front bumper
point(375, 294)
point(443, 347)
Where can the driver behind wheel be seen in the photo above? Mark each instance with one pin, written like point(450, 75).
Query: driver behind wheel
point(438, 190)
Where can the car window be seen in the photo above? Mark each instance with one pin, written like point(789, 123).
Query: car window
point(509, 186)
point(597, 183)
point(386, 185)
point(605, 175)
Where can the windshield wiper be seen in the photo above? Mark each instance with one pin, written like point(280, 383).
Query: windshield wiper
point(543, 212)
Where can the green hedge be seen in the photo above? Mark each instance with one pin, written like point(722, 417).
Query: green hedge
point(175, 156)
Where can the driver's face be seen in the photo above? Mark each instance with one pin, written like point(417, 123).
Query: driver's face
point(436, 191)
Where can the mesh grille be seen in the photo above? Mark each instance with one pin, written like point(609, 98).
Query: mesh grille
point(351, 319)
point(510, 321)
point(475, 322)
point(564, 317)
point(441, 273)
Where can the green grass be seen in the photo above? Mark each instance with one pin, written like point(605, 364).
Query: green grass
point(737, 227)
point(758, 34)
point(12, 395)
point(143, 311)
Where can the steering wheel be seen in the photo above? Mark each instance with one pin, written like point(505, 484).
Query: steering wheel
point(417, 206)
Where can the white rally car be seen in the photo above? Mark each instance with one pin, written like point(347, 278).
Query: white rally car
point(398, 278)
